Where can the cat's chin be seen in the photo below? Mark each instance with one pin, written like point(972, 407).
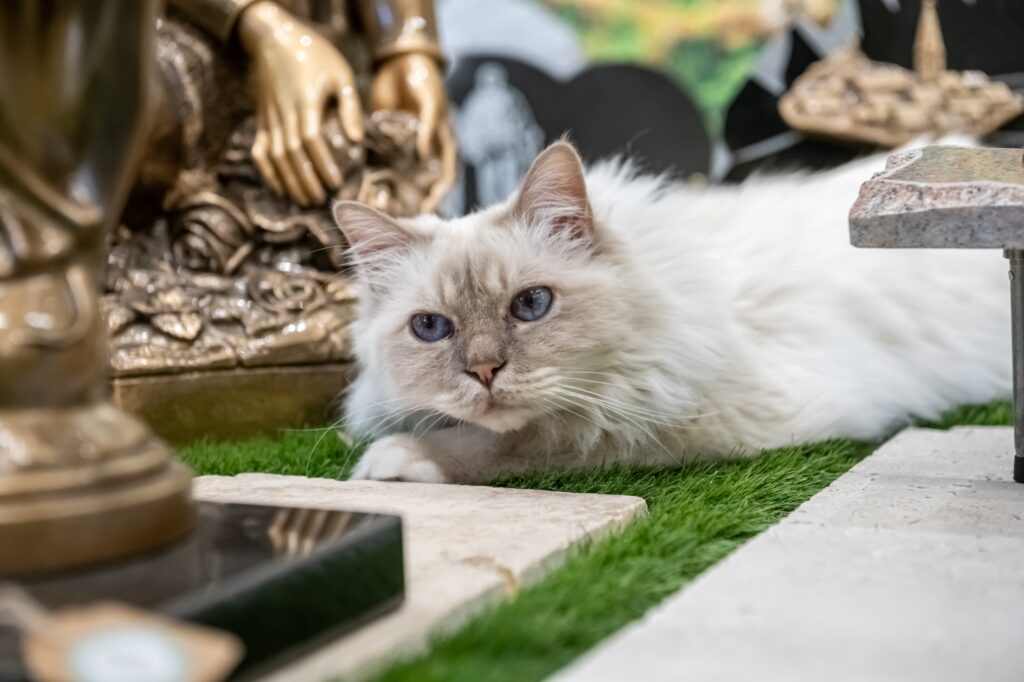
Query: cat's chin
point(502, 419)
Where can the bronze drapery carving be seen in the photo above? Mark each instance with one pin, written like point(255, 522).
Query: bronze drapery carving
point(228, 259)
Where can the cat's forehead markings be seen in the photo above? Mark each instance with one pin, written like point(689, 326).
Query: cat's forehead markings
point(494, 274)
point(452, 279)
point(471, 280)
point(449, 289)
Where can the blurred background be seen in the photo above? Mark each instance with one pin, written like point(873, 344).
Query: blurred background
point(688, 87)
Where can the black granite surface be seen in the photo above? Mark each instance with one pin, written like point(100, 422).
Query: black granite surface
point(282, 579)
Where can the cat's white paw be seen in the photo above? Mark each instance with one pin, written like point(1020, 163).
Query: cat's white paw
point(397, 458)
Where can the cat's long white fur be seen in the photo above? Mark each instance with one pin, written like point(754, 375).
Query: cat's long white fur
point(744, 321)
point(817, 339)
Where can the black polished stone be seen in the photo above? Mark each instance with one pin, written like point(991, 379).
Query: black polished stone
point(282, 579)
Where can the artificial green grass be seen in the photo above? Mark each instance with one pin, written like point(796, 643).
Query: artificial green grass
point(697, 515)
point(317, 453)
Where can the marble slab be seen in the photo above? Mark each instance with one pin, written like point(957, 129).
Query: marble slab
point(943, 197)
point(908, 568)
point(466, 548)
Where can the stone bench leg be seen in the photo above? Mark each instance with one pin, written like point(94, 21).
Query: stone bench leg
point(1016, 257)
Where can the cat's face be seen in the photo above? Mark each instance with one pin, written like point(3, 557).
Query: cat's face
point(489, 317)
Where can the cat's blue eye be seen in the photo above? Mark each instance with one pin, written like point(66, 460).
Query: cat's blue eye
point(532, 304)
point(430, 327)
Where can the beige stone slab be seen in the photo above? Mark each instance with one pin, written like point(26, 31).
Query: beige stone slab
point(943, 197)
point(909, 568)
point(466, 547)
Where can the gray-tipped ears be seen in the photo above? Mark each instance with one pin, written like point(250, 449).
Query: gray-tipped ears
point(367, 230)
point(554, 192)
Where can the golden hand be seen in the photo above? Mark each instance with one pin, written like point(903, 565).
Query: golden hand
point(413, 82)
point(298, 74)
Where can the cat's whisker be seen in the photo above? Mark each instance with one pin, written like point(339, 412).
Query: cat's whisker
point(379, 403)
point(438, 416)
point(383, 427)
point(380, 427)
point(577, 414)
point(621, 383)
point(638, 412)
point(629, 419)
point(649, 416)
point(618, 381)
point(549, 408)
point(622, 386)
point(334, 276)
point(428, 415)
point(312, 450)
point(581, 372)
point(347, 418)
point(606, 411)
point(677, 458)
point(614, 384)
point(311, 429)
point(441, 416)
point(540, 374)
point(641, 413)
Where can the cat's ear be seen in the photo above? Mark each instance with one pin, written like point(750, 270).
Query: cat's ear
point(554, 192)
point(370, 233)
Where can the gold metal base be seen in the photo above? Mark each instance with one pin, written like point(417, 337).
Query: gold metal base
point(231, 404)
point(89, 526)
point(115, 490)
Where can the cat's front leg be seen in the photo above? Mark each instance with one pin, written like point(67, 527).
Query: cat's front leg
point(398, 458)
point(465, 454)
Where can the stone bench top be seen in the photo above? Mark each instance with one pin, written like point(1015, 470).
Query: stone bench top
point(943, 197)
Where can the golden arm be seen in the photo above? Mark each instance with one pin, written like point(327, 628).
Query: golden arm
point(409, 65)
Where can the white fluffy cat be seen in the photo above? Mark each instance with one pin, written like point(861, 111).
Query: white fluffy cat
point(603, 318)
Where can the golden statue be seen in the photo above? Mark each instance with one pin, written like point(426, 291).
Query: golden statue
point(80, 481)
point(294, 49)
point(224, 286)
point(205, 267)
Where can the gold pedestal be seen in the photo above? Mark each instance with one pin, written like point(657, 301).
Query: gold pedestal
point(229, 405)
point(99, 488)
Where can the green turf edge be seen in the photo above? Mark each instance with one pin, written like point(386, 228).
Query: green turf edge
point(696, 517)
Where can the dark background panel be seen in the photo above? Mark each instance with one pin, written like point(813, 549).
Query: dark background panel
point(987, 35)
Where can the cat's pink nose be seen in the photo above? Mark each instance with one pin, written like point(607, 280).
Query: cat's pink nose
point(484, 371)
